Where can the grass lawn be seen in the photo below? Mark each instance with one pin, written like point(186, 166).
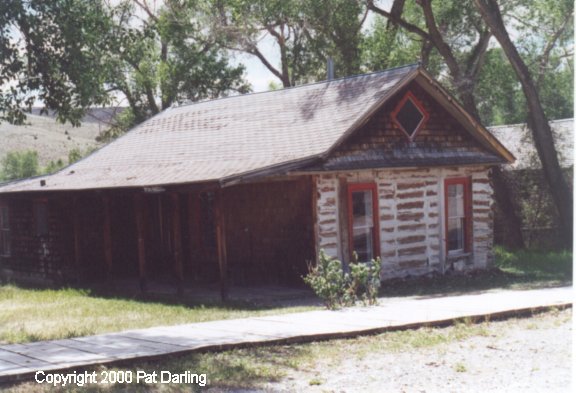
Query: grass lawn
point(512, 270)
point(43, 314)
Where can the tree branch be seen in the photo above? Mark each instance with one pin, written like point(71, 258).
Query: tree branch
point(476, 58)
point(438, 40)
point(146, 8)
point(397, 20)
point(544, 58)
point(254, 51)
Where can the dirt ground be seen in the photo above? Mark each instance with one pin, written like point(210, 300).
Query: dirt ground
point(521, 355)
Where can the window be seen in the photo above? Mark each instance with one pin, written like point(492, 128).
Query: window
point(4, 231)
point(410, 115)
point(363, 221)
point(458, 215)
point(41, 217)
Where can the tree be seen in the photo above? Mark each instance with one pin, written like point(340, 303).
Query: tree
point(386, 47)
point(46, 48)
point(305, 34)
point(537, 120)
point(18, 165)
point(457, 33)
point(164, 57)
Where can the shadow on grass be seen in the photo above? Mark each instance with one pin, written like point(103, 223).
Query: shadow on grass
point(519, 270)
point(204, 296)
point(523, 269)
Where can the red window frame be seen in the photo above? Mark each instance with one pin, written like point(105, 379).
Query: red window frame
point(352, 187)
point(466, 183)
point(410, 96)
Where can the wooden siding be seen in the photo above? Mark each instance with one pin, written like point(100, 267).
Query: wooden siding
point(410, 210)
point(34, 257)
point(268, 231)
point(440, 131)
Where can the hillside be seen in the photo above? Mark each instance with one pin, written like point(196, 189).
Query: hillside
point(51, 139)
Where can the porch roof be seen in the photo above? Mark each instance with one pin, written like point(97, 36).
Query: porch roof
point(229, 138)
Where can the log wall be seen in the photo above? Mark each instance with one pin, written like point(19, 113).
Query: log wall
point(38, 257)
point(269, 231)
point(411, 211)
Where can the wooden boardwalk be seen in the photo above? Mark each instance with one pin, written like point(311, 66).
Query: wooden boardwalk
point(22, 361)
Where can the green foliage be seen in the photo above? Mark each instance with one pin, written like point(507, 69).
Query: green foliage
point(165, 56)
point(125, 120)
point(19, 164)
point(305, 34)
point(516, 270)
point(365, 279)
point(74, 155)
point(54, 166)
point(534, 263)
point(49, 314)
point(536, 208)
point(339, 289)
point(328, 280)
point(53, 51)
point(23, 164)
point(384, 48)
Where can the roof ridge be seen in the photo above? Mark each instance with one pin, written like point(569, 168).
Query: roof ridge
point(411, 65)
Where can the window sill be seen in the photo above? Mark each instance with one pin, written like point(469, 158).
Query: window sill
point(458, 254)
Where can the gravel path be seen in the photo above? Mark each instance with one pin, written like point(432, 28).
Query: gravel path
point(520, 355)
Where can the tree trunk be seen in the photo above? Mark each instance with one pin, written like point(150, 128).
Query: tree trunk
point(537, 121)
point(508, 209)
point(464, 80)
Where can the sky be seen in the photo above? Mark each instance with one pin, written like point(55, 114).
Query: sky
point(259, 76)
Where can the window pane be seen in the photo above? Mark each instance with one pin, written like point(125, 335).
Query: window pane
point(363, 243)
point(362, 209)
point(455, 200)
point(363, 225)
point(410, 117)
point(455, 234)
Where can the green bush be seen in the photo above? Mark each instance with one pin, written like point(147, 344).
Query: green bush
point(365, 279)
point(19, 165)
point(328, 280)
point(339, 289)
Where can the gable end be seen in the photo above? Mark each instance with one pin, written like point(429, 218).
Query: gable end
point(439, 139)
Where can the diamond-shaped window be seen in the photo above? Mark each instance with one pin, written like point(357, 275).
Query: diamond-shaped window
point(409, 115)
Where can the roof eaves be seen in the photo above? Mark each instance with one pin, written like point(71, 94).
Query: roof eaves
point(276, 169)
point(370, 111)
point(483, 133)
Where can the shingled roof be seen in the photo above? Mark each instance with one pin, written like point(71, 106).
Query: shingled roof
point(229, 138)
point(517, 138)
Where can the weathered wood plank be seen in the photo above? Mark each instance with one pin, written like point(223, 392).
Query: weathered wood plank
point(141, 236)
point(177, 231)
point(77, 228)
point(107, 236)
point(221, 243)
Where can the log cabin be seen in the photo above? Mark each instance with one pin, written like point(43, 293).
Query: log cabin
point(246, 190)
